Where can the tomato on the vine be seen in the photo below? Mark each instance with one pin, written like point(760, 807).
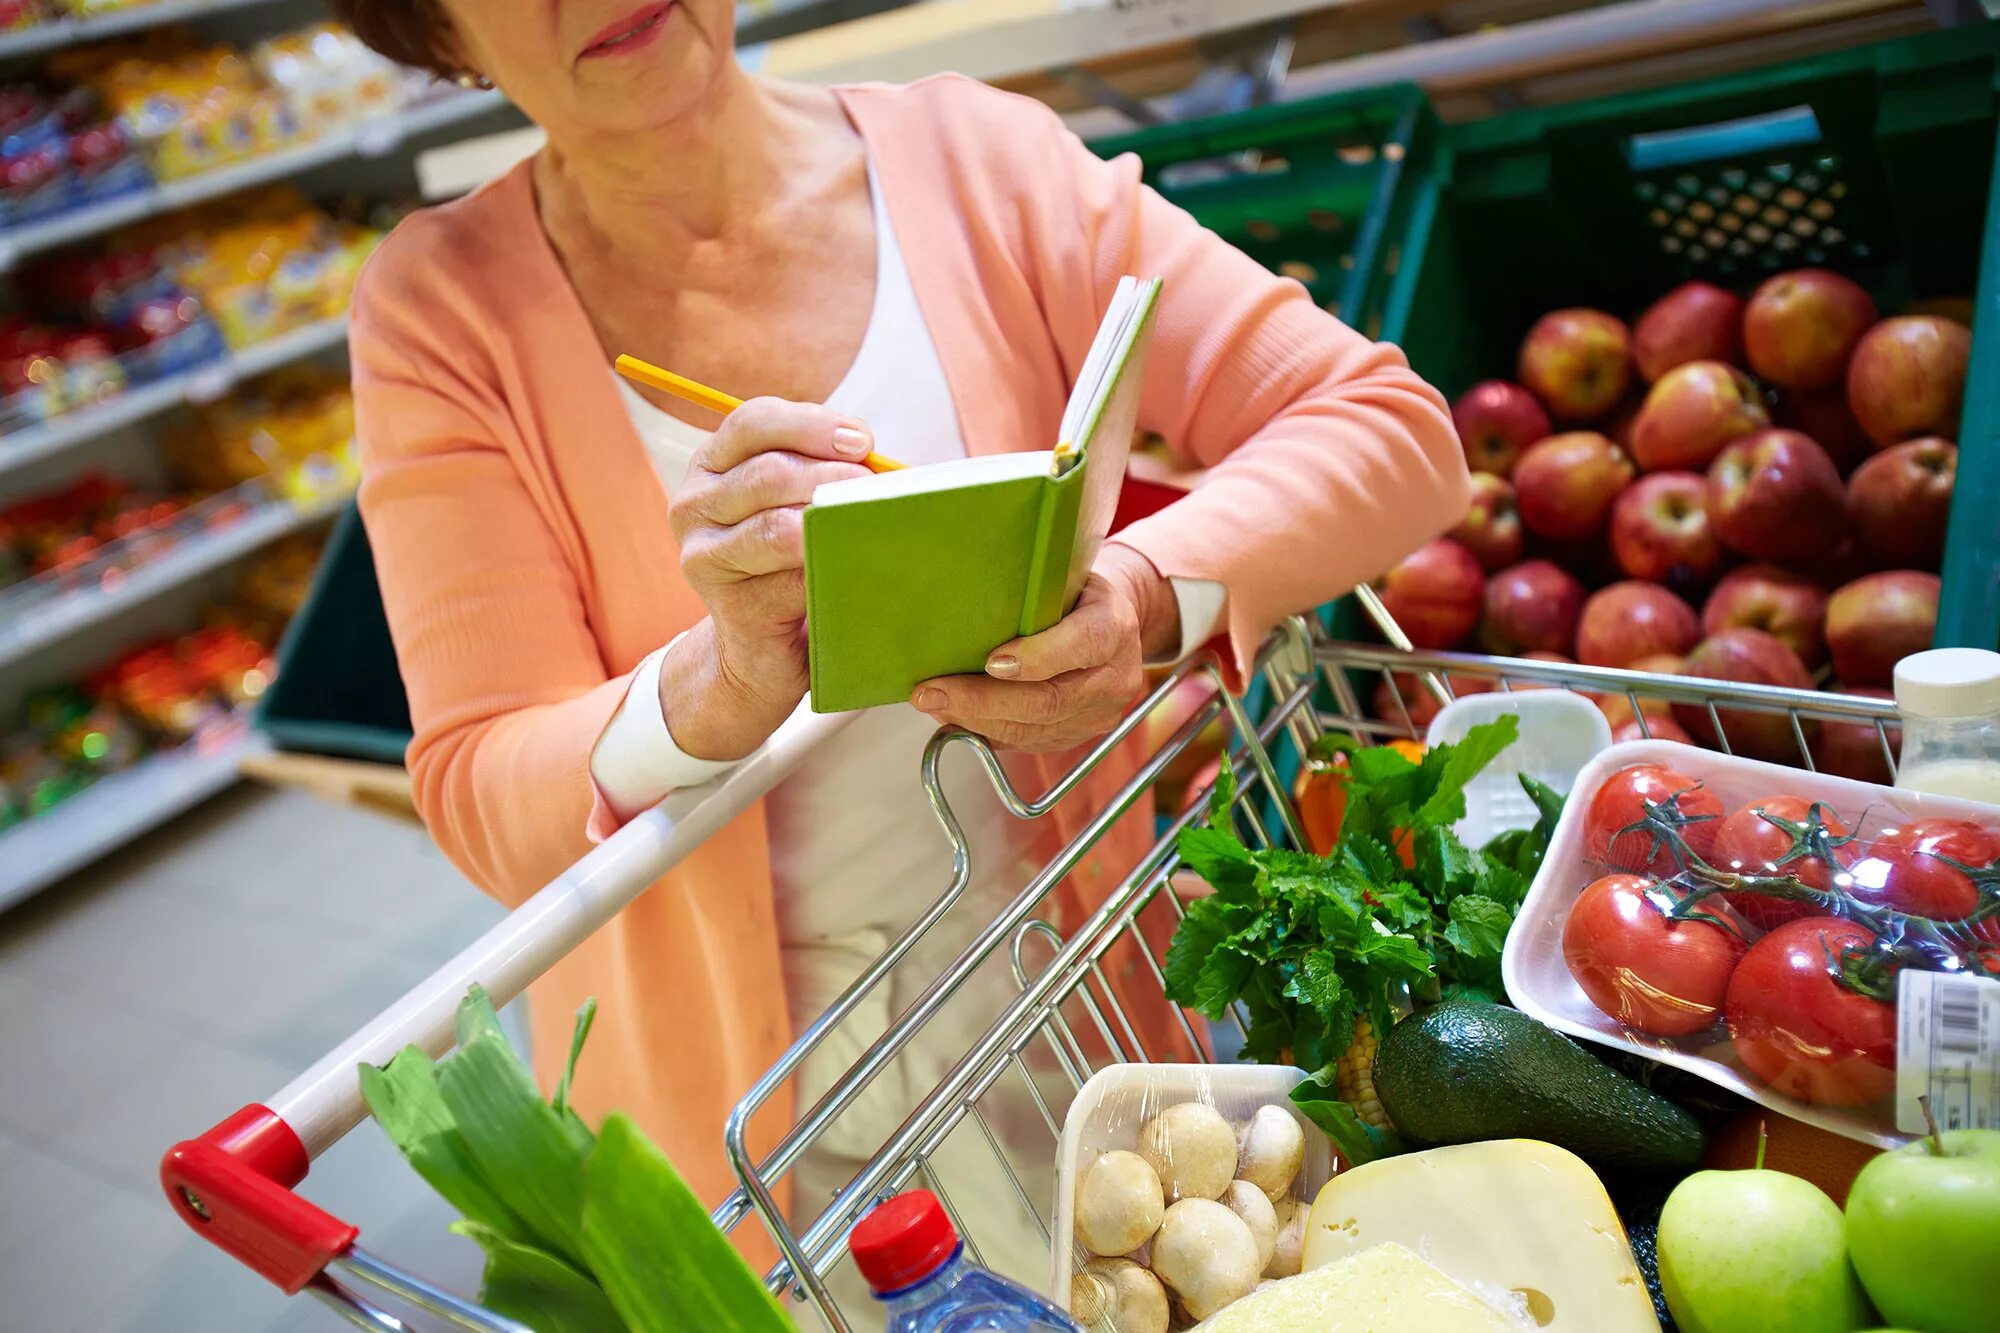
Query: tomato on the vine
point(1785, 836)
point(1649, 971)
point(1909, 868)
point(1639, 814)
point(1800, 1028)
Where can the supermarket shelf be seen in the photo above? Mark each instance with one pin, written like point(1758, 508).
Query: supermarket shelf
point(104, 817)
point(67, 32)
point(371, 138)
point(59, 617)
point(203, 385)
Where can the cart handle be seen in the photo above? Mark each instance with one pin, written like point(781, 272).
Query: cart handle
point(234, 1184)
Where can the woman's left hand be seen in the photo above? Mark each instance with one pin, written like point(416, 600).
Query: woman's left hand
point(1072, 682)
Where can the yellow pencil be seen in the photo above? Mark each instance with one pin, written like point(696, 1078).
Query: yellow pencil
point(687, 390)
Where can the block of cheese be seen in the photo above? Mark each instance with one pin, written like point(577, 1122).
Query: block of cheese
point(1518, 1221)
point(1382, 1289)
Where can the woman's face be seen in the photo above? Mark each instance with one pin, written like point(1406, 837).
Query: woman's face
point(581, 68)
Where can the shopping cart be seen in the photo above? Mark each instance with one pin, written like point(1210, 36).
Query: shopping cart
point(235, 1184)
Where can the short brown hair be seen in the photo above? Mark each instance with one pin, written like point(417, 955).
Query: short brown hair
point(410, 32)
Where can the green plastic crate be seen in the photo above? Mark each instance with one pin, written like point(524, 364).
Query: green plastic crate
point(338, 690)
point(1876, 161)
point(1313, 190)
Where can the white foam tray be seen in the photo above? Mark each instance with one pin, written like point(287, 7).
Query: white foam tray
point(1118, 1100)
point(1539, 982)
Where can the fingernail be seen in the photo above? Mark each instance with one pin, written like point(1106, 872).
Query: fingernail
point(1003, 665)
point(850, 440)
point(929, 700)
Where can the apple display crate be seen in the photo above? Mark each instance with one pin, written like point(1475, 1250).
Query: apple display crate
point(1875, 161)
point(1058, 1021)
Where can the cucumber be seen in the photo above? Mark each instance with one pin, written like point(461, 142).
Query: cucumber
point(1466, 1071)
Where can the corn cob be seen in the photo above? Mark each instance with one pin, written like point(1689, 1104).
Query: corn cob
point(1354, 1076)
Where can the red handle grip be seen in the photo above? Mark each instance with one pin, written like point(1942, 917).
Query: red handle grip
point(233, 1185)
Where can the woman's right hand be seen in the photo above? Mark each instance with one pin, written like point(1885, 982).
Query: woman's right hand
point(738, 517)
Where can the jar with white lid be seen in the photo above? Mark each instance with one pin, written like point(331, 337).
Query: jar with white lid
point(1950, 702)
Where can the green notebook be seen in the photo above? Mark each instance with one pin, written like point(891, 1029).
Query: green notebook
point(924, 571)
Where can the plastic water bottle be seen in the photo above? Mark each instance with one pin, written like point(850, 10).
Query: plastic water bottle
point(912, 1257)
point(1950, 702)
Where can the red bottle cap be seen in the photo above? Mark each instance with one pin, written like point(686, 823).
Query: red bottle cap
point(903, 1241)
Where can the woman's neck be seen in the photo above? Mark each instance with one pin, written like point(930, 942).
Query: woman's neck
point(661, 190)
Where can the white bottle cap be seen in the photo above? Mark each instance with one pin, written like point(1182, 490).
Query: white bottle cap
point(1949, 682)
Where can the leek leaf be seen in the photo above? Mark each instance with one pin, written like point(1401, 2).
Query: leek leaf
point(538, 1289)
point(523, 1148)
point(403, 1097)
point(650, 1242)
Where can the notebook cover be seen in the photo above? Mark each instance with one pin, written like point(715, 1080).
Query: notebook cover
point(888, 583)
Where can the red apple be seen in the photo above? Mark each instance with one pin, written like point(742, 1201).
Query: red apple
point(1696, 321)
point(1564, 486)
point(1876, 621)
point(1627, 621)
point(1496, 420)
point(1434, 593)
point(1655, 729)
point(1660, 531)
point(1800, 327)
point(1577, 362)
point(1616, 705)
point(1531, 607)
point(1900, 501)
point(1416, 696)
point(1822, 416)
point(1776, 495)
point(1854, 749)
point(1692, 413)
point(1748, 657)
point(1491, 529)
point(1777, 601)
point(1907, 378)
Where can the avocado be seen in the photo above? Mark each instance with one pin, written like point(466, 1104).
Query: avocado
point(1465, 1071)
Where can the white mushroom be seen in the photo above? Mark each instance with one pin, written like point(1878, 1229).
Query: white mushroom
point(1135, 1301)
point(1249, 1203)
point(1119, 1204)
point(1193, 1149)
point(1270, 1148)
point(1206, 1255)
point(1290, 1249)
point(1089, 1297)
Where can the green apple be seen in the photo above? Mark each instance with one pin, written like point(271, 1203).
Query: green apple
point(1756, 1252)
point(1923, 1227)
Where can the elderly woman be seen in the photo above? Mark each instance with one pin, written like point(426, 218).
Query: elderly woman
point(596, 592)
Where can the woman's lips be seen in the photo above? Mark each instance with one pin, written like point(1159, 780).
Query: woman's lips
point(630, 33)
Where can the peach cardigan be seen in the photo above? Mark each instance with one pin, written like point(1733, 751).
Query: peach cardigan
point(526, 562)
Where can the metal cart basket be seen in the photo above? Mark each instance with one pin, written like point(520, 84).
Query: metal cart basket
point(1058, 1021)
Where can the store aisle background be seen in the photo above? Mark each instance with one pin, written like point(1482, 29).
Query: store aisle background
point(148, 997)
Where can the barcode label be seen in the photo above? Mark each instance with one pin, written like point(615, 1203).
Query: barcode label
point(1947, 1048)
point(1957, 1019)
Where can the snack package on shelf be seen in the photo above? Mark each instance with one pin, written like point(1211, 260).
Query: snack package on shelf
point(1180, 1186)
point(62, 151)
point(1826, 947)
point(328, 76)
point(294, 426)
point(260, 262)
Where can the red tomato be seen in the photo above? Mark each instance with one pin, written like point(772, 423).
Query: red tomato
point(1625, 800)
point(1907, 868)
point(1748, 843)
point(1799, 1029)
point(1641, 967)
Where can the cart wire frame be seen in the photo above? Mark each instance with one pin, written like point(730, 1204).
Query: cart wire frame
point(234, 1184)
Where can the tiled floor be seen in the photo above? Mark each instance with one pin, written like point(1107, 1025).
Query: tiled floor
point(163, 988)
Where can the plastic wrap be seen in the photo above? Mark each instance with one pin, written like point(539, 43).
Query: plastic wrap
point(1789, 935)
point(1185, 1127)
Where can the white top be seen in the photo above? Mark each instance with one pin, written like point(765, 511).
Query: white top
point(854, 823)
point(1949, 683)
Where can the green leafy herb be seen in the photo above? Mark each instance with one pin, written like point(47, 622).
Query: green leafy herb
point(1307, 944)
